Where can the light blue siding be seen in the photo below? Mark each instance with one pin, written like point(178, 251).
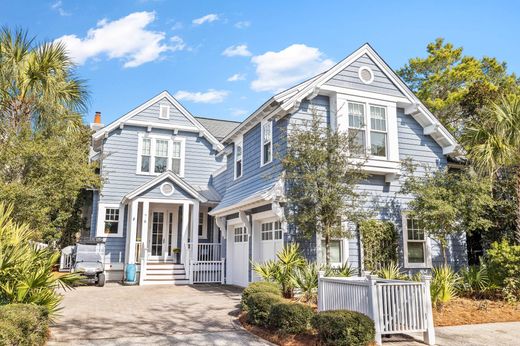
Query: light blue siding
point(151, 114)
point(155, 192)
point(348, 78)
point(94, 216)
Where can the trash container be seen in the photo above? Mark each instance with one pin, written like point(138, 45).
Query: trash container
point(130, 273)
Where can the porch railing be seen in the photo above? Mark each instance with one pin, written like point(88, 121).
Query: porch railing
point(209, 252)
point(208, 267)
point(395, 306)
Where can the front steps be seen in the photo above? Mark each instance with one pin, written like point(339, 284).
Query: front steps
point(165, 273)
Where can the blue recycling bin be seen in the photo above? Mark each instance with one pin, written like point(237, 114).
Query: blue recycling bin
point(130, 273)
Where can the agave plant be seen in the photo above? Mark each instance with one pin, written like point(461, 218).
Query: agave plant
point(391, 271)
point(26, 272)
point(306, 280)
point(443, 286)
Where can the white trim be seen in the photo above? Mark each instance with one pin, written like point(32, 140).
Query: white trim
point(366, 68)
point(330, 89)
point(204, 212)
point(262, 124)
point(101, 133)
point(100, 224)
point(427, 251)
point(153, 137)
point(343, 248)
point(154, 125)
point(238, 143)
point(163, 185)
point(234, 222)
point(166, 109)
point(166, 175)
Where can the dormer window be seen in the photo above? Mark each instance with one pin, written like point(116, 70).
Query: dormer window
point(378, 131)
point(356, 125)
point(376, 140)
point(267, 142)
point(238, 159)
point(164, 112)
point(157, 154)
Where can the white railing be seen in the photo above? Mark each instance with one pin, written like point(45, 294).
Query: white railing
point(66, 258)
point(207, 272)
point(395, 306)
point(144, 258)
point(209, 252)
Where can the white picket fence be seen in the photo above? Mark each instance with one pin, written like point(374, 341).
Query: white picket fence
point(207, 272)
point(395, 306)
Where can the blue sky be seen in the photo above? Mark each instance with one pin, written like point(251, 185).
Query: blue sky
point(223, 59)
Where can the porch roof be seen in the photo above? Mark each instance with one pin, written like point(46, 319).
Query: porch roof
point(196, 192)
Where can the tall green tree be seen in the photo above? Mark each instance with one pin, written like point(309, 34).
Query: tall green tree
point(43, 142)
point(448, 202)
point(322, 168)
point(457, 87)
point(494, 144)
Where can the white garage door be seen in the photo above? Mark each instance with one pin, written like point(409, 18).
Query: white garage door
point(271, 240)
point(239, 265)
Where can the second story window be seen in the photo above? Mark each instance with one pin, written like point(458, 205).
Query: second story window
point(378, 131)
point(356, 125)
point(176, 158)
point(267, 142)
point(159, 154)
point(238, 159)
point(146, 150)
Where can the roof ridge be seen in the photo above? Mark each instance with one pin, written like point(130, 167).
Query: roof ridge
point(208, 118)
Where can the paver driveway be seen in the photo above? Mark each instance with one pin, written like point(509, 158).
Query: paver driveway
point(160, 315)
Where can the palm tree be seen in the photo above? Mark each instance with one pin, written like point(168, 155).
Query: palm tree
point(495, 144)
point(37, 85)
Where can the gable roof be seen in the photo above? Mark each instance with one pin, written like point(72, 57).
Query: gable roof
point(197, 126)
point(288, 100)
point(168, 175)
point(218, 127)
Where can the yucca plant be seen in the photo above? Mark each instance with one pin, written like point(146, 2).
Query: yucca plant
point(267, 271)
point(26, 272)
point(391, 271)
point(443, 286)
point(306, 280)
point(345, 270)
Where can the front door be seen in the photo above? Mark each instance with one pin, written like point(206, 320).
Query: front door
point(163, 235)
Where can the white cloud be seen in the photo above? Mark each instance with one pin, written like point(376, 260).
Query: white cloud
point(238, 50)
point(237, 112)
point(58, 6)
point(243, 24)
point(236, 77)
point(206, 19)
point(210, 96)
point(279, 70)
point(126, 38)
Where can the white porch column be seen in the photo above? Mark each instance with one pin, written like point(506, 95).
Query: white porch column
point(132, 232)
point(144, 229)
point(195, 231)
point(184, 237)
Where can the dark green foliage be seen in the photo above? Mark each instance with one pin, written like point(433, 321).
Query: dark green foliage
point(379, 243)
point(503, 262)
point(342, 328)
point(23, 324)
point(291, 318)
point(259, 306)
point(256, 287)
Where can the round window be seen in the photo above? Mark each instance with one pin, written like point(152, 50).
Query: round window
point(167, 189)
point(366, 75)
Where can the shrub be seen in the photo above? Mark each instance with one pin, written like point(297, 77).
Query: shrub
point(306, 280)
point(443, 286)
point(23, 324)
point(474, 281)
point(259, 306)
point(379, 243)
point(503, 261)
point(342, 328)
point(256, 287)
point(293, 318)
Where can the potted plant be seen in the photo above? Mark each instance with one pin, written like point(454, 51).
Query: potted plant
point(177, 253)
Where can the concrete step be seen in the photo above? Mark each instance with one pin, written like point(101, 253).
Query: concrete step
point(150, 276)
point(165, 271)
point(166, 282)
point(164, 265)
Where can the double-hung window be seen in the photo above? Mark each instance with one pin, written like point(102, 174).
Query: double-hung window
point(378, 131)
point(416, 246)
point(238, 159)
point(267, 142)
point(356, 126)
point(111, 220)
point(158, 154)
point(336, 251)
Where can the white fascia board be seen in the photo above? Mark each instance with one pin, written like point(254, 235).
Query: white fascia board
point(163, 126)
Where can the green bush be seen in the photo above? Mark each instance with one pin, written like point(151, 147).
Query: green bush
point(293, 318)
point(256, 287)
point(443, 286)
point(503, 261)
point(259, 306)
point(23, 324)
point(344, 328)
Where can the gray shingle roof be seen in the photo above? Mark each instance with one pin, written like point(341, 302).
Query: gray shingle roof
point(218, 128)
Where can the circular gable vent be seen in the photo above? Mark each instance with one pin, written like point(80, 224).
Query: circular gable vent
point(167, 189)
point(366, 75)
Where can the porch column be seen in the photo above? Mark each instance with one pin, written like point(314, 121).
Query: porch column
point(195, 231)
point(144, 229)
point(132, 232)
point(184, 237)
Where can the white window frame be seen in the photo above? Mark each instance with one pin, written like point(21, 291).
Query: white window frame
point(244, 237)
point(167, 108)
point(427, 247)
point(344, 251)
point(273, 230)
point(153, 138)
point(238, 142)
point(100, 226)
point(263, 123)
point(204, 213)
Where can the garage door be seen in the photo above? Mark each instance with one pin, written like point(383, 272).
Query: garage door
point(271, 240)
point(239, 265)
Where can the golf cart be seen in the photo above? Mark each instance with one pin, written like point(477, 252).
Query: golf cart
point(88, 261)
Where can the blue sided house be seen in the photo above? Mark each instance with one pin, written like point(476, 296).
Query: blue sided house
point(189, 199)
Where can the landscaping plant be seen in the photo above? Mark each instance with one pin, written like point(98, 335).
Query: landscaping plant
point(23, 324)
point(306, 280)
point(443, 285)
point(256, 287)
point(344, 328)
point(391, 271)
point(474, 281)
point(291, 318)
point(259, 306)
point(379, 243)
point(503, 261)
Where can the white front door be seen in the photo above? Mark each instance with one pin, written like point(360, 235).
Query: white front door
point(162, 233)
point(238, 265)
